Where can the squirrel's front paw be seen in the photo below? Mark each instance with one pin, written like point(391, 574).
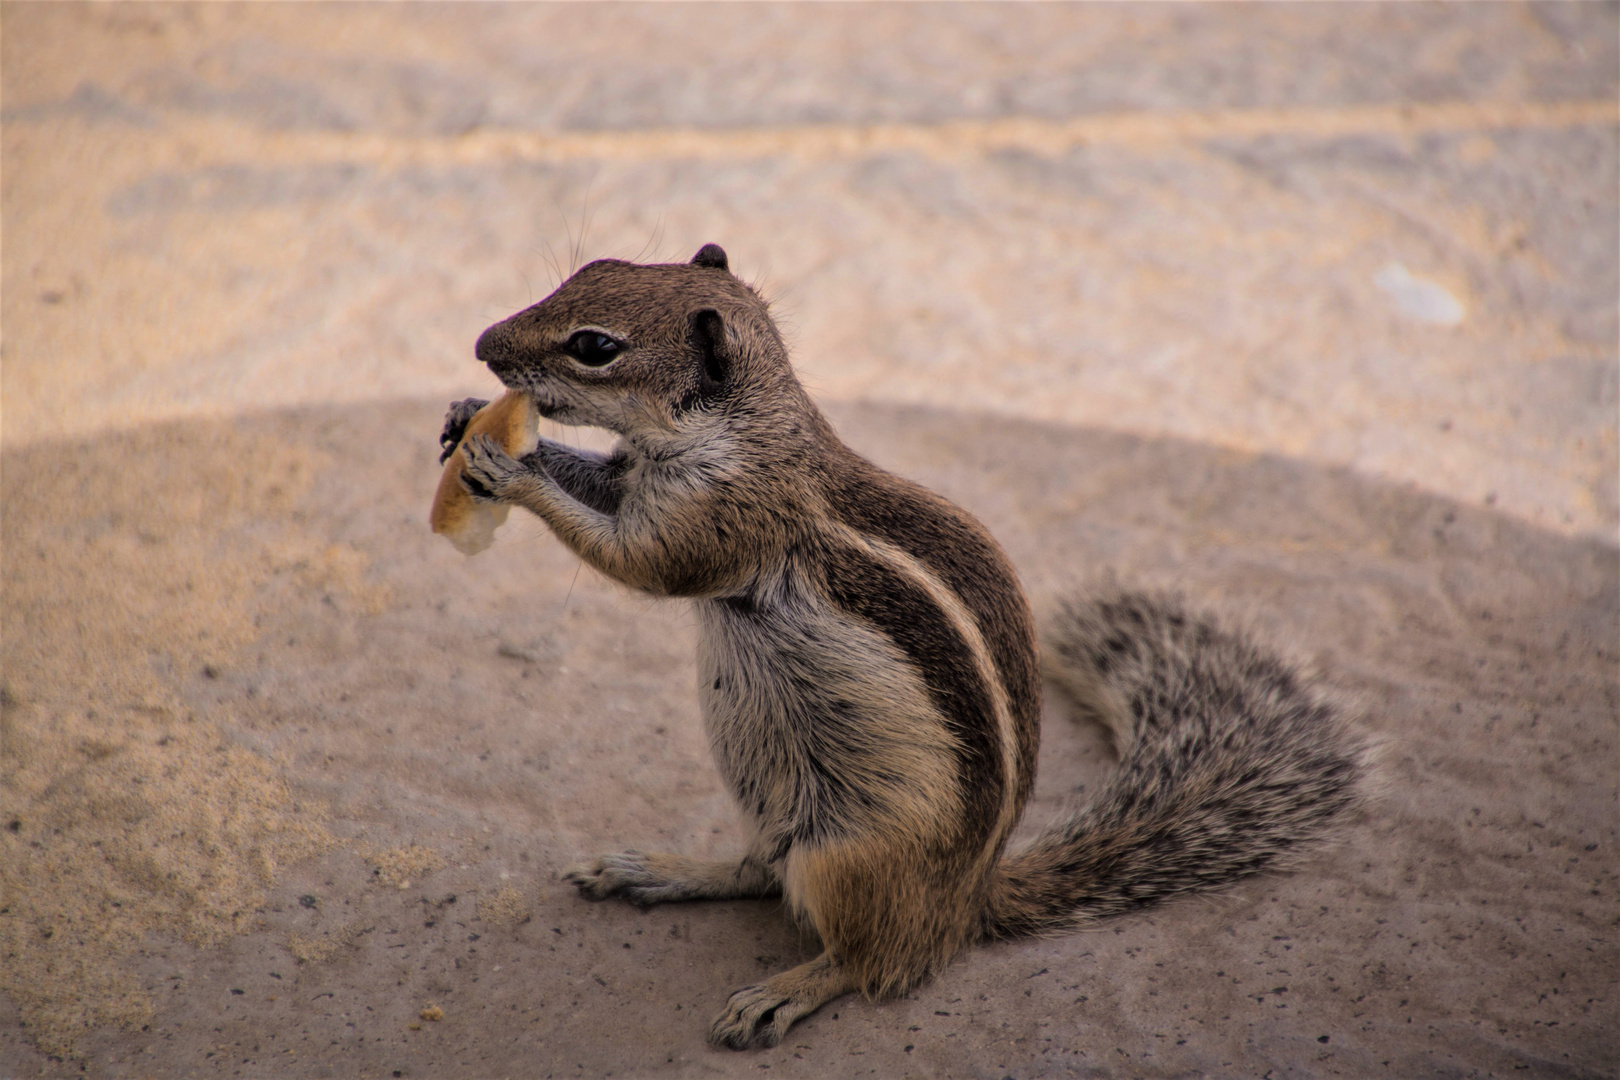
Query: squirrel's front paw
point(490, 470)
point(455, 424)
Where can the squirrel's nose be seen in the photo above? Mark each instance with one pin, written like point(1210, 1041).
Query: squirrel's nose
point(495, 344)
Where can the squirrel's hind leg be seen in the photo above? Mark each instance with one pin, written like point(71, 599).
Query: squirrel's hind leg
point(654, 878)
point(887, 917)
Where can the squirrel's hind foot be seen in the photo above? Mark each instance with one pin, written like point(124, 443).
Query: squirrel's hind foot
point(625, 875)
point(645, 878)
point(758, 1016)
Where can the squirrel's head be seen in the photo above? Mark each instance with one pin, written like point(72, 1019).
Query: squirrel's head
point(656, 353)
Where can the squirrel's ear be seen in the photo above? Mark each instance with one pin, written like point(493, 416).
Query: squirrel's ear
point(711, 255)
point(707, 333)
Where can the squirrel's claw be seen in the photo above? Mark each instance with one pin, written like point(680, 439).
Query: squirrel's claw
point(455, 424)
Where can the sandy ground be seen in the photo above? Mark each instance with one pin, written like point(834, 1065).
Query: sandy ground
point(1307, 311)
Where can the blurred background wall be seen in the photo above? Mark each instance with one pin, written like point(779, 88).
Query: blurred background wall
point(1374, 235)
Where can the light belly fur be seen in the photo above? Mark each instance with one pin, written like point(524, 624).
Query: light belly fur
point(819, 727)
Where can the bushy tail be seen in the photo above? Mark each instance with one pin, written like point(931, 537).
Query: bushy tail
point(1229, 763)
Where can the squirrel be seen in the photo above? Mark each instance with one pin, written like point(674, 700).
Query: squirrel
point(867, 660)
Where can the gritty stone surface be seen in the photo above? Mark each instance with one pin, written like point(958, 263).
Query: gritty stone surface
point(1309, 311)
point(493, 720)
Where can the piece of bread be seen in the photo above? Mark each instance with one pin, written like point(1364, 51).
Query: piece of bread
point(468, 524)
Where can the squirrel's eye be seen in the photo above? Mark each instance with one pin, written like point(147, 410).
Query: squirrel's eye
point(592, 348)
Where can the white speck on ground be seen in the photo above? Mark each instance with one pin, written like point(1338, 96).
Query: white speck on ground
point(1424, 300)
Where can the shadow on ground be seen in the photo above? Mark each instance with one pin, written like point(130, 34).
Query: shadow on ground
point(288, 771)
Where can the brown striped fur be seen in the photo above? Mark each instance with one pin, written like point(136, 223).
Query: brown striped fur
point(867, 663)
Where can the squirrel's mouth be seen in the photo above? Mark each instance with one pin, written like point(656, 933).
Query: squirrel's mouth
point(545, 398)
point(545, 402)
point(546, 405)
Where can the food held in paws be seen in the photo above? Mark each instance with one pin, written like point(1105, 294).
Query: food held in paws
point(470, 525)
